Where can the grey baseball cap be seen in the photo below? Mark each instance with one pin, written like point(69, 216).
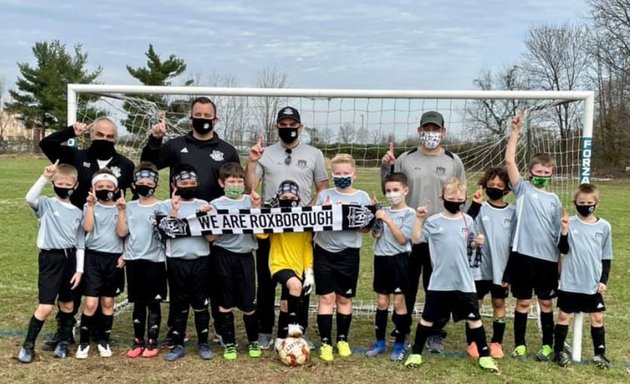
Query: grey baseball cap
point(432, 117)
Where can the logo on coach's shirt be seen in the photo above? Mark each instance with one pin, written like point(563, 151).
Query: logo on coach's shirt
point(217, 155)
point(301, 164)
point(184, 150)
point(440, 171)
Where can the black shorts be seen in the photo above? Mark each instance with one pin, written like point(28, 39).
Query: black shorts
point(441, 304)
point(56, 268)
point(281, 277)
point(391, 274)
point(102, 276)
point(532, 274)
point(146, 281)
point(571, 302)
point(235, 276)
point(188, 281)
point(484, 287)
point(336, 272)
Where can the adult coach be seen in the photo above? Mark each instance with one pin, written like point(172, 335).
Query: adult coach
point(287, 159)
point(427, 168)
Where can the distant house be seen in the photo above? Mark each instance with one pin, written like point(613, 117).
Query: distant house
point(12, 127)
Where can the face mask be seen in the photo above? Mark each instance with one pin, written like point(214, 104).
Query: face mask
point(585, 210)
point(540, 181)
point(288, 135)
point(430, 140)
point(494, 193)
point(63, 193)
point(288, 203)
point(234, 191)
point(201, 126)
point(105, 195)
point(187, 193)
point(453, 206)
point(145, 190)
point(342, 182)
point(394, 198)
point(101, 149)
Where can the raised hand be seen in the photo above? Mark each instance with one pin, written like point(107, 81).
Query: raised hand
point(389, 157)
point(121, 203)
point(328, 201)
point(159, 130)
point(50, 170)
point(477, 197)
point(480, 239)
point(79, 128)
point(564, 222)
point(175, 202)
point(256, 151)
point(517, 122)
point(256, 199)
point(421, 212)
point(374, 199)
point(91, 198)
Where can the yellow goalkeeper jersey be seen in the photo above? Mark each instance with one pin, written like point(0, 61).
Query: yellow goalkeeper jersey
point(290, 250)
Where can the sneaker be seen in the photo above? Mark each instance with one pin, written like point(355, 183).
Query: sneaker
point(104, 350)
point(82, 351)
point(545, 353)
point(326, 352)
point(151, 350)
point(519, 351)
point(254, 350)
point(601, 361)
point(309, 342)
point(230, 352)
point(278, 343)
point(177, 352)
point(435, 344)
point(378, 348)
point(61, 350)
point(51, 342)
point(136, 349)
point(343, 348)
point(496, 351)
point(265, 340)
point(205, 352)
point(413, 361)
point(295, 330)
point(562, 359)
point(488, 363)
point(398, 352)
point(26, 354)
point(472, 350)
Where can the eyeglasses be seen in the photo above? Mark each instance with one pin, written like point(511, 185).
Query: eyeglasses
point(287, 160)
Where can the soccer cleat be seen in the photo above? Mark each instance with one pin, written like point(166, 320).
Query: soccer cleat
point(326, 352)
point(519, 351)
point(51, 342)
point(562, 359)
point(151, 350)
point(295, 330)
point(377, 348)
point(136, 349)
point(104, 350)
point(435, 344)
point(205, 352)
point(82, 351)
point(254, 350)
point(398, 352)
point(496, 350)
point(488, 363)
point(265, 340)
point(472, 350)
point(545, 353)
point(413, 361)
point(61, 350)
point(343, 348)
point(309, 342)
point(601, 361)
point(278, 344)
point(26, 354)
point(177, 352)
point(229, 353)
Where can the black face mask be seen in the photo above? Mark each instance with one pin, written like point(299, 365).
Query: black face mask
point(494, 193)
point(106, 195)
point(585, 210)
point(288, 135)
point(101, 149)
point(288, 203)
point(202, 126)
point(62, 192)
point(186, 193)
point(144, 190)
point(453, 206)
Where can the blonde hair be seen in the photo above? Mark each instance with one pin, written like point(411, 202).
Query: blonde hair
point(454, 185)
point(66, 170)
point(587, 188)
point(343, 158)
point(543, 159)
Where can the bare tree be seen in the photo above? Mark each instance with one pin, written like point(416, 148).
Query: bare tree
point(267, 107)
point(347, 133)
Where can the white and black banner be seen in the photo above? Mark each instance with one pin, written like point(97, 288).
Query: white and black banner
point(336, 217)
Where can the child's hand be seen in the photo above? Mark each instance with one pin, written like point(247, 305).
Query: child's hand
point(327, 202)
point(256, 199)
point(564, 222)
point(205, 208)
point(91, 198)
point(121, 203)
point(50, 170)
point(374, 199)
point(120, 264)
point(421, 212)
point(517, 121)
point(76, 280)
point(479, 240)
point(175, 202)
point(601, 288)
point(477, 197)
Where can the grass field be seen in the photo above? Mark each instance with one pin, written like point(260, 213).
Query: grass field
point(18, 293)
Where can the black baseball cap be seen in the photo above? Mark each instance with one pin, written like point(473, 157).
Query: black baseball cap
point(289, 113)
point(432, 117)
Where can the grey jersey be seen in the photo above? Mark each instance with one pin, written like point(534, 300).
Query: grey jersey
point(537, 222)
point(59, 224)
point(589, 244)
point(243, 243)
point(497, 226)
point(386, 244)
point(187, 247)
point(337, 241)
point(103, 237)
point(142, 242)
point(448, 240)
point(307, 166)
point(426, 176)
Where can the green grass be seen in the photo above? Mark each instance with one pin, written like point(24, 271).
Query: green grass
point(18, 290)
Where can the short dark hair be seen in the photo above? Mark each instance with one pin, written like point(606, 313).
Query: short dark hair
point(231, 170)
point(493, 172)
point(398, 177)
point(204, 100)
point(587, 188)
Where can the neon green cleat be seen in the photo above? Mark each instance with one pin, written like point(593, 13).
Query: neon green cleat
point(230, 352)
point(326, 353)
point(413, 361)
point(545, 353)
point(254, 350)
point(344, 349)
point(519, 351)
point(488, 363)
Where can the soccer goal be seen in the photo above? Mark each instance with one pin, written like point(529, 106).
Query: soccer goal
point(364, 122)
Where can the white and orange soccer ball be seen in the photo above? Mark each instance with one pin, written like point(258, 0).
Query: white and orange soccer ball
point(294, 351)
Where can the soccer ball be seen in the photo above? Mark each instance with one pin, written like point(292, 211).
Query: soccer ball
point(293, 351)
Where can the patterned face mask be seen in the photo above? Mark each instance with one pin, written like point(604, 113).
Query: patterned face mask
point(234, 191)
point(342, 182)
point(430, 140)
point(540, 181)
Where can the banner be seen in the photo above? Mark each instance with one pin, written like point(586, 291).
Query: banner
point(336, 217)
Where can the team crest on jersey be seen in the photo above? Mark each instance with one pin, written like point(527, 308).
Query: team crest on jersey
point(116, 171)
point(301, 164)
point(507, 222)
point(217, 155)
point(599, 236)
point(440, 171)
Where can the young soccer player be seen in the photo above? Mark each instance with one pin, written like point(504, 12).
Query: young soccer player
point(187, 261)
point(586, 242)
point(103, 261)
point(336, 261)
point(145, 261)
point(495, 220)
point(60, 243)
point(234, 262)
point(453, 240)
point(533, 265)
point(391, 264)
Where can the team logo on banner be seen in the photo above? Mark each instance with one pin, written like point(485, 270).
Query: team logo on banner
point(359, 216)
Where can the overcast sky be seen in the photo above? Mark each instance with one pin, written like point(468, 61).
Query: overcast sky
point(395, 44)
